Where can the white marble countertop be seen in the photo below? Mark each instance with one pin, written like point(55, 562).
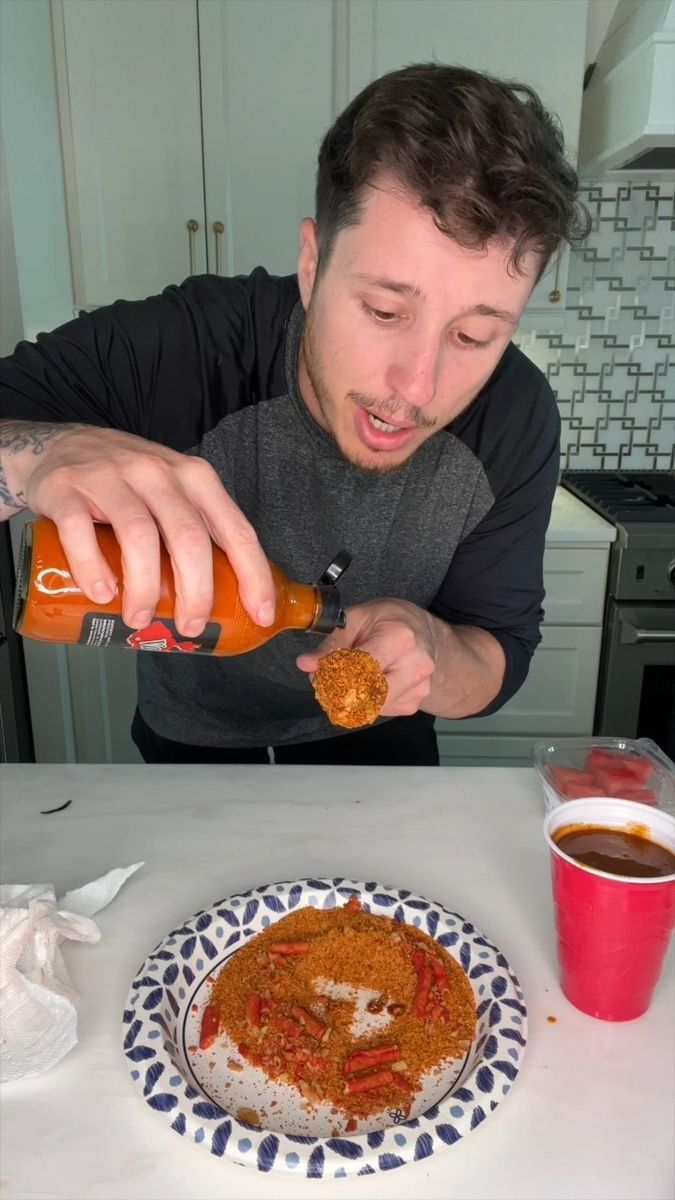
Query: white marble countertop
point(574, 523)
point(591, 1114)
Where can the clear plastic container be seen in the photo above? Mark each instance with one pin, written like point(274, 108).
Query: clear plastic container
point(573, 768)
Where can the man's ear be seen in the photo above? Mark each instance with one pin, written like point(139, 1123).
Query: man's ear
point(308, 260)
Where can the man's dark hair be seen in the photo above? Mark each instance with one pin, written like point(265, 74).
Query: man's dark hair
point(482, 154)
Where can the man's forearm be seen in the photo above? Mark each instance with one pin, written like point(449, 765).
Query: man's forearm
point(20, 441)
point(469, 671)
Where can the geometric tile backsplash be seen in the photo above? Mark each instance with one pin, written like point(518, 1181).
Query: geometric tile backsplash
point(612, 366)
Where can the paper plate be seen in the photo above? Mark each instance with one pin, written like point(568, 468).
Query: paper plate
point(200, 1096)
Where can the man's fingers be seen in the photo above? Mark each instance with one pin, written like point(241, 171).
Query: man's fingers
point(231, 530)
point(77, 535)
point(138, 537)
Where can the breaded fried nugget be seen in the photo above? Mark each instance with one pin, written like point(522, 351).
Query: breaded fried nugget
point(351, 688)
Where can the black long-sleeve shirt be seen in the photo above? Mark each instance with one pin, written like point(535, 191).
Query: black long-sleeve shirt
point(210, 368)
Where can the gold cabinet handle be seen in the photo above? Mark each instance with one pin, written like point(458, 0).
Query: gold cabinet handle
point(554, 295)
point(192, 226)
point(218, 230)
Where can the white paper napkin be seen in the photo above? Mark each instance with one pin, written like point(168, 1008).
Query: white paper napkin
point(38, 1018)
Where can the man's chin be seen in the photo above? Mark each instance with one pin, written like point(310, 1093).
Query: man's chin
point(377, 462)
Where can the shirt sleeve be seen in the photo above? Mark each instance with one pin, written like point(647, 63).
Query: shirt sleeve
point(166, 368)
point(495, 580)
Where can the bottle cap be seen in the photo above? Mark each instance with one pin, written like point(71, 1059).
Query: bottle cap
point(332, 614)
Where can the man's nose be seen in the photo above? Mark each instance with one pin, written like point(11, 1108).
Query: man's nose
point(414, 377)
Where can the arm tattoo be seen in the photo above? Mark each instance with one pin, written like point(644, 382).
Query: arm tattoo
point(16, 436)
point(6, 497)
point(19, 435)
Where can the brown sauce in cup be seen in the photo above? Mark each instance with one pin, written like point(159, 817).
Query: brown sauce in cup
point(616, 851)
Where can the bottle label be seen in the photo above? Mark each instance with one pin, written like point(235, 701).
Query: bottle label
point(108, 629)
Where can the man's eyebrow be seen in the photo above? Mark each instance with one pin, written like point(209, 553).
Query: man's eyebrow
point(408, 289)
point(392, 285)
point(486, 310)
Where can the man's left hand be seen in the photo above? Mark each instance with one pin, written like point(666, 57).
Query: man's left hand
point(403, 639)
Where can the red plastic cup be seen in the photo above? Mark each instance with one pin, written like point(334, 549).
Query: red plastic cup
point(612, 930)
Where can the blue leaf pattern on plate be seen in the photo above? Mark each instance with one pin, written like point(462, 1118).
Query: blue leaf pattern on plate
point(294, 896)
point(478, 1116)
point(317, 885)
point(449, 939)
point(465, 955)
point(153, 999)
point(490, 1047)
point(432, 919)
point(267, 1152)
point(383, 900)
point(206, 1108)
point(507, 1068)
point(274, 903)
point(498, 986)
point(495, 1015)
point(250, 911)
point(448, 1134)
point(229, 916)
point(163, 1102)
point(132, 1034)
point(175, 1008)
point(171, 974)
point(179, 1124)
point(188, 946)
point(188, 974)
point(480, 969)
point(485, 1080)
point(221, 1137)
point(375, 1139)
point(203, 921)
point(387, 1162)
point(316, 1163)
point(509, 1003)
point(140, 1053)
point(513, 1036)
point(424, 1146)
point(146, 981)
point(345, 1148)
point(207, 946)
point(152, 1074)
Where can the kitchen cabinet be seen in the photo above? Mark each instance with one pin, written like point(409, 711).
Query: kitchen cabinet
point(129, 99)
point(190, 134)
point(190, 128)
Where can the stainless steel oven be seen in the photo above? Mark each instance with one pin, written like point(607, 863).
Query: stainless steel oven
point(636, 687)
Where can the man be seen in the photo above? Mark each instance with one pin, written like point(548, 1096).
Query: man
point(376, 402)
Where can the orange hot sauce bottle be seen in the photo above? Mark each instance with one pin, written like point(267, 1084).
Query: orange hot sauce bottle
point(50, 607)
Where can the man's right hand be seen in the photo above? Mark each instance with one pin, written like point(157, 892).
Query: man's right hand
point(78, 474)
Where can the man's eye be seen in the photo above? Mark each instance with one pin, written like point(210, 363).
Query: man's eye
point(378, 313)
point(465, 340)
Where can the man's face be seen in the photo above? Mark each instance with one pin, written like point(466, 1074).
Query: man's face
point(403, 328)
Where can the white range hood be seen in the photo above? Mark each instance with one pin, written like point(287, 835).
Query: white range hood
point(628, 112)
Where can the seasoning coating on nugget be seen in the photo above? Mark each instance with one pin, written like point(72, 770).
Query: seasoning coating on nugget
point(351, 687)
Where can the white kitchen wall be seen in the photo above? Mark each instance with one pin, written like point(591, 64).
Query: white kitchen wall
point(612, 367)
point(30, 125)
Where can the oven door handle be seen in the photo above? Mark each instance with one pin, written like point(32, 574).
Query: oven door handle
point(632, 635)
